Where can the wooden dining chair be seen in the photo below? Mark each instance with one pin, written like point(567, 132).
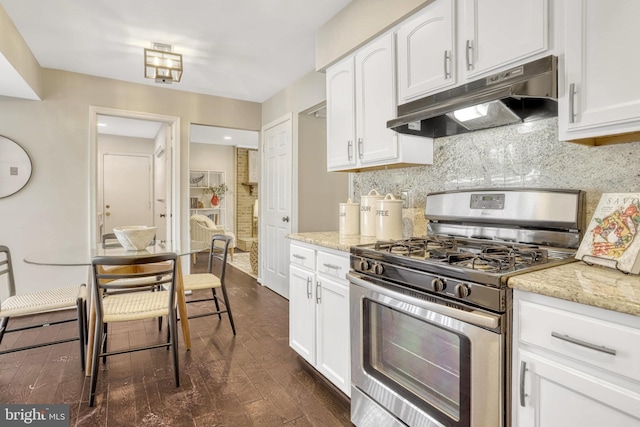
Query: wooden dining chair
point(41, 302)
point(219, 249)
point(122, 294)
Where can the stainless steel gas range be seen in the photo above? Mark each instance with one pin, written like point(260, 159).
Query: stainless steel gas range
point(431, 316)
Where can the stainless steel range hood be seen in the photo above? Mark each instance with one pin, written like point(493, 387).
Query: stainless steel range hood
point(520, 94)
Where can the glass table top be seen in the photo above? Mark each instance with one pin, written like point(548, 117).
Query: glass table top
point(82, 255)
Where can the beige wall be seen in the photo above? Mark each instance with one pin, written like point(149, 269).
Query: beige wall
point(15, 50)
point(356, 24)
point(53, 209)
point(319, 191)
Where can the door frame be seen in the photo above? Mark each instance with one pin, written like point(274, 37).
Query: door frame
point(173, 171)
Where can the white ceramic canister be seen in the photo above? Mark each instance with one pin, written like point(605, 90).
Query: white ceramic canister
point(389, 218)
point(368, 213)
point(349, 218)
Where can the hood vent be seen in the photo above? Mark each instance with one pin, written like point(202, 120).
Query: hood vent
point(521, 94)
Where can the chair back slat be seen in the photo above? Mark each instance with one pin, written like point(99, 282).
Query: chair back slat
point(219, 250)
point(6, 267)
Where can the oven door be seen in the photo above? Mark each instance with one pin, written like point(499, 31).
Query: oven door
point(422, 362)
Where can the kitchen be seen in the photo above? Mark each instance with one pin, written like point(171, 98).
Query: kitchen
point(529, 155)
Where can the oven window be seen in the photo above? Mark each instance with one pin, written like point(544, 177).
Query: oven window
point(424, 362)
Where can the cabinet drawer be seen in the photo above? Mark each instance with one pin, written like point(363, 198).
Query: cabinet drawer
point(604, 344)
point(333, 265)
point(303, 257)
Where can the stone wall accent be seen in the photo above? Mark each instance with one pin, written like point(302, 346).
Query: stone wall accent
point(245, 199)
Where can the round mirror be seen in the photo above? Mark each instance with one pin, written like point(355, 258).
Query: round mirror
point(15, 167)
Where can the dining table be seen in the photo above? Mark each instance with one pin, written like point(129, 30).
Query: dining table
point(76, 256)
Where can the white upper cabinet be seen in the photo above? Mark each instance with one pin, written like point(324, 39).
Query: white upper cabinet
point(375, 101)
point(426, 51)
point(441, 46)
point(600, 95)
point(341, 115)
point(498, 33)
point(361, 98)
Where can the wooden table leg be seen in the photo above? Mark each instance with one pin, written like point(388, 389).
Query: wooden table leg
point(182, 306)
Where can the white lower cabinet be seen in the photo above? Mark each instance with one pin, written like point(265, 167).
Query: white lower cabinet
point(574, 365)
point(319, 311)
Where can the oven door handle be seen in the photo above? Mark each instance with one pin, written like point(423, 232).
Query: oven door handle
point(475, 317)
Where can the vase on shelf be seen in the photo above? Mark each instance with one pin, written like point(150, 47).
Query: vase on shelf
point(215, 200)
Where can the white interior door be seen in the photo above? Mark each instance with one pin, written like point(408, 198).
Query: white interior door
point(127, 190)
point(276, 208)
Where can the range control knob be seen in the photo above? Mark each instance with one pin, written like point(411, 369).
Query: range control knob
point(438, 284)
point(462, 290)
point(378, 268)
point(364, 265)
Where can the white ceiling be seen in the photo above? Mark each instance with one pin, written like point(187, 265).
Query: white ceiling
point(242, 49)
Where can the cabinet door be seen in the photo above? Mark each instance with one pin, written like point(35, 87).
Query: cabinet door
point(302, 312)
point(554, 394)
point(498, 33)
point(333, 358)
point(426, 52)
point(375, 101)
point(601, 63)
point(341, 115)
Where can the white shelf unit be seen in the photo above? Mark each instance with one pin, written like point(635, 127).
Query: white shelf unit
point(199, 180)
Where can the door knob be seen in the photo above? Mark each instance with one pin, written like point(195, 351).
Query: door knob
point(107, 213)
point(285, 219)
point(162, 215)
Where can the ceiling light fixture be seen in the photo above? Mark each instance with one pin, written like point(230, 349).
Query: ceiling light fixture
point(161, 64)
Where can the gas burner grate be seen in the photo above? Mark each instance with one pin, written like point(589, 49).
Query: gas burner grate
point(417, 247)
point(483, 261)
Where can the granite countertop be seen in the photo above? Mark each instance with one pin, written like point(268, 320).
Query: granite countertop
point(332, 239)
point(586, 284)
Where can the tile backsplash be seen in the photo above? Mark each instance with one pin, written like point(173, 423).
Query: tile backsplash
point(526, 155)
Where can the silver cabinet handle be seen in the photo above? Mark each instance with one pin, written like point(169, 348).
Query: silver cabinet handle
point(308, 287)
point(576, 341)
point(523, 369)
point(572, 100)
point(318, 296)
point(447, 62)
point(468, 54)
point(299, 256)
point(334, 267)
point(349, 150)
point(360, 147)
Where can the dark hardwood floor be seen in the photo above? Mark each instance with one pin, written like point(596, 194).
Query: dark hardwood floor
point(252, 379)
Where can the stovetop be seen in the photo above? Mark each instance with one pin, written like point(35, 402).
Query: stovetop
point(484, 261)
point(473, 271)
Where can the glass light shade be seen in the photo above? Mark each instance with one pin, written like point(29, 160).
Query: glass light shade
point(160, 64)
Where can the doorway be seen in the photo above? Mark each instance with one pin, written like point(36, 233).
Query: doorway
point(160, 172)
point(219, 155)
